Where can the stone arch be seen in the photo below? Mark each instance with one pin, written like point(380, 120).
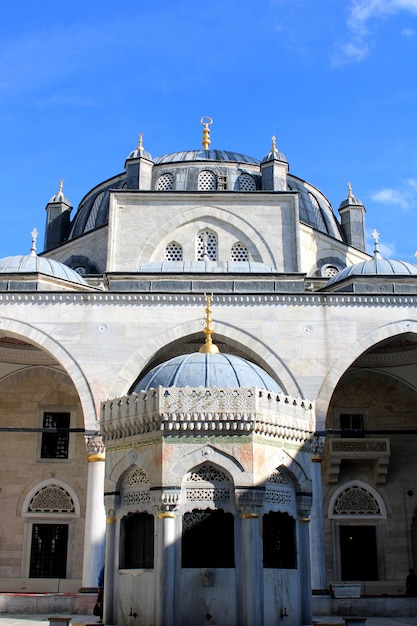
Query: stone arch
point(208, 454)
point(253, 347)
point(210, 216)
point(344, 361)
point(43, 341)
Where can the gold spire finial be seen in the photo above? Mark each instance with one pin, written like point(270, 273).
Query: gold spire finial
point(208, 345)
point(61, 185)
point(350, 194)
point(274, 144)
point(140, 142)
point(206, 121)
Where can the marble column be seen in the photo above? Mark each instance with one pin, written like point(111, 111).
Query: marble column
point(317, 545)
point(249, 504)
point(95, 516)
point(304, 502)
point(110, 569)
point(165, 559)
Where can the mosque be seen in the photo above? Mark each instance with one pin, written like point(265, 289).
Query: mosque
point(210, 387)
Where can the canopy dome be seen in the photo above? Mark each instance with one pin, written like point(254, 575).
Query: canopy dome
point(207, 370)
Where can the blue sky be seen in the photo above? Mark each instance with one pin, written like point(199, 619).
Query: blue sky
point(334, 80)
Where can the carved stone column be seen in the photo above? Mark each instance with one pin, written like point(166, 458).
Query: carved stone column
point(95, 517)
point(168, 533)
point(249, 503)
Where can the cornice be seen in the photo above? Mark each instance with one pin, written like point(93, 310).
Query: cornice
point(150, 299)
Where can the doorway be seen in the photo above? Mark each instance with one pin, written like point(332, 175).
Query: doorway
point(358, 552)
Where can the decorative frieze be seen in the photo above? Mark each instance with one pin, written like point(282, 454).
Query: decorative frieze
point(201, 411)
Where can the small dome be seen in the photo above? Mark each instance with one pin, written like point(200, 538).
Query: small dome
point(22, 264)
point(139, 154)
point(205, 369)
point(59, 196)
point(377, 266)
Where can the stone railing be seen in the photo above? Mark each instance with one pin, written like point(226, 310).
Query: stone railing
point(201, 411)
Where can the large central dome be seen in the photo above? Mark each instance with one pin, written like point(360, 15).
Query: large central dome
point(207, 370)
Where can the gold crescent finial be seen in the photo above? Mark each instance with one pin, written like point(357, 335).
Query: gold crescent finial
point(61, 185)
point(274, 144)
point(208, 345)
point(350, 194)
point(206, 121)
point(140, 142)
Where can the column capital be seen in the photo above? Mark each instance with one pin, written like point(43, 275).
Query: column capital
point(95, 447)
point(249, 501)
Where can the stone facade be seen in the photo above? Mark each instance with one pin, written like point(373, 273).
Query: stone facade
point(148, 245)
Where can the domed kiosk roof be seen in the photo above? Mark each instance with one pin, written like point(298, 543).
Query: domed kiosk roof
point(377, 266)
point(207, 370)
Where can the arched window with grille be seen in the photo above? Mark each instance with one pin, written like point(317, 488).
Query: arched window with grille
point(246, 182)
point(137, 541)
point(53, 507)
point(165, 182)
point(206, 246)
point(173, 252)
point(207, 181)
point(239, 252)
point(91, 222)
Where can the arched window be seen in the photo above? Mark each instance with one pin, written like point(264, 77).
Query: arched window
point(137, 541)
point(278, 532)
point(207, 181)
point(208, 539)
point(246, 182)
point(356, 509)
point(57, 506)
point(239, 252)
point(207, 246)
point(173, 252)
point(165, 182)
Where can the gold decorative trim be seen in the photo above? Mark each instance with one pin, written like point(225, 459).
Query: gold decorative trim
point(304, 520)
point(111, 520)
point(249, 515)
point(166, 515)
point(91, 458)
point(316, 459)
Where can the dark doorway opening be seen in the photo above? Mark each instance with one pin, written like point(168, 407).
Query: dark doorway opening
point(358, 553)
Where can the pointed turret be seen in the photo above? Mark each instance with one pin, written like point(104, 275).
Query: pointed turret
point(58, 214)
point(352, 218)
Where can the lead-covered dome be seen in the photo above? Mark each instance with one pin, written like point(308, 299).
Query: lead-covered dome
point(201, 369)
point(32, 263)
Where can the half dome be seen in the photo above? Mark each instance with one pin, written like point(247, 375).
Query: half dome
point(201, 369)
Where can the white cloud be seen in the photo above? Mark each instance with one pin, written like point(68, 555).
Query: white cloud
point(403, 197)
point(360, 16)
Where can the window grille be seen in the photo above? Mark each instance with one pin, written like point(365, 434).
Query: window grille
point(55, 443)
point(356, 501)
point(278, 531)
point(48, 555)
point(173, 252)
point(137, 541)
point(317, 212)
point(51, 499)
point(331, 270)
point(165, 182)
point(91, 222)
point(208, 539)
point(246, 182)
point(207, 181)
point(239, 252)
point(207, 246)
